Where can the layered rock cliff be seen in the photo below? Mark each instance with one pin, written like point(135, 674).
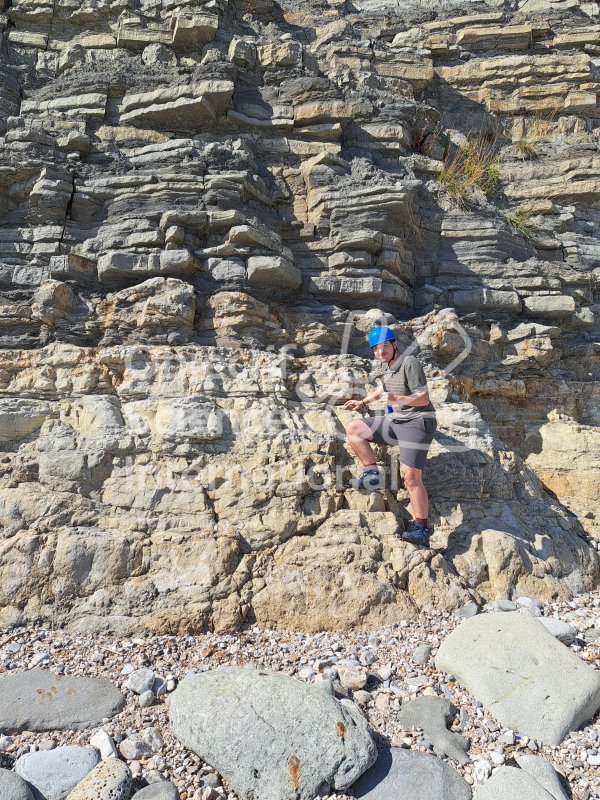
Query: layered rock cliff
point(204, 206)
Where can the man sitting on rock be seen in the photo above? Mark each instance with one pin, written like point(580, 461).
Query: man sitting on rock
point(410, 423)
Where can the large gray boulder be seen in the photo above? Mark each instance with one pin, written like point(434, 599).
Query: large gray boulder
point(12, 787)
point(405, 775)
point(507, 782)
point(524, 677)
point(38, 700)
point(270, 736)
point(54, 773)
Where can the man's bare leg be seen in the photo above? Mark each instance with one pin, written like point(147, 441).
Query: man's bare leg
point(419, 500)
point(359, 437)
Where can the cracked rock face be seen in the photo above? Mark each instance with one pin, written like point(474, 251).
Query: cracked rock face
point(204, 207)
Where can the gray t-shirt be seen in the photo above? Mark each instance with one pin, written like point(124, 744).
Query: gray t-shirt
point(407, 377)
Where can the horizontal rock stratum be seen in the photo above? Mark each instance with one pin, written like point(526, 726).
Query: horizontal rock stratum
point(204, 207)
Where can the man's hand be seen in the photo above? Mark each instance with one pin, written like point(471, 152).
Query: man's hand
point(355, 405)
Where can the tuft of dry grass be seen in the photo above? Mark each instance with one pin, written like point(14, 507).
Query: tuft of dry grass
point(526, 148)
point(474, 166)
point(519, 220)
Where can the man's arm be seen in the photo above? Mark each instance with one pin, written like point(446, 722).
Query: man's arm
point(417, 399)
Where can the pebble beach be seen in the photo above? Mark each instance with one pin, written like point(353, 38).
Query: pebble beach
point(379, 670)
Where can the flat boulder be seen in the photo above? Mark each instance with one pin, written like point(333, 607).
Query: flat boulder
point(524, 677)
point(38, 700)
point(405, 775)
point(270, 736)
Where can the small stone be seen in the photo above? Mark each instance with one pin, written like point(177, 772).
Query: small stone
point(104, 743)
point(134, 747)
point(154, 776)
point(140, 680)
point(211, 779)
point(146, 699)
point(136, 768)
point(508, 738)
point(152, 737)
point(306, 673)
point(40, 658)
point(352, 677)
point(530, 606)
point(505, 605)
point(468, 610)
point(481, 770)
point(47, 744)
point(422, 654)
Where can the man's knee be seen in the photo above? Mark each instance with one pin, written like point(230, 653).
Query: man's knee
point(355, 428)
point(413, 477)
point(357, 431)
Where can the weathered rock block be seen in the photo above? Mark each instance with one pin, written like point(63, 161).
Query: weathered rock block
point(291, 738)
point(527, 679)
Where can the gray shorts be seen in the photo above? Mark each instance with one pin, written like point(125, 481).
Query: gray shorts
point(413, 437)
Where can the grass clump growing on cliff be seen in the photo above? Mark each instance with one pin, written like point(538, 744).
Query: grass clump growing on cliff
point(519, 220)
point(472, 167)
point(526, 148)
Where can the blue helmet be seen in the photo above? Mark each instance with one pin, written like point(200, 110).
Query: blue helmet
point(380, 335)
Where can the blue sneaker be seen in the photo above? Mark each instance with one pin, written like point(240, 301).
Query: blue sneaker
point(419, 534)
point(371, 480)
